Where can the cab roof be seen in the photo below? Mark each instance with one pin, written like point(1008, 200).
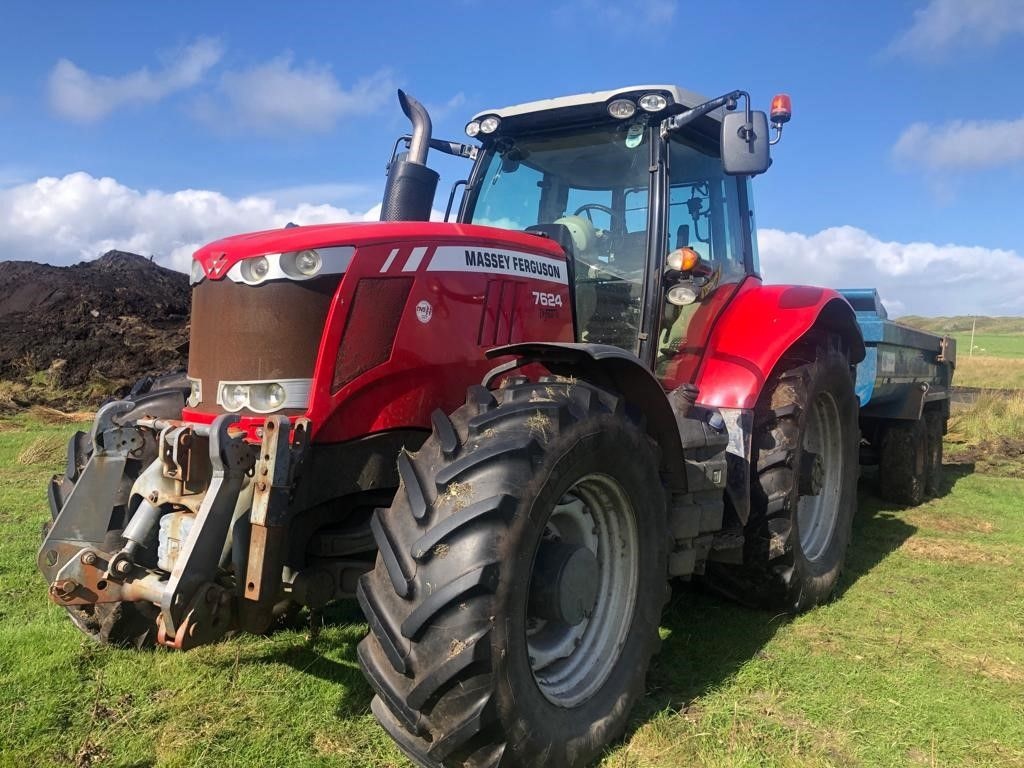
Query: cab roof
point(679, 99)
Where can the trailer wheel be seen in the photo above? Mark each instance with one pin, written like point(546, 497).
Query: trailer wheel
point(517, 594)
point(935, 426)
point(803, 486)
point(904, 462)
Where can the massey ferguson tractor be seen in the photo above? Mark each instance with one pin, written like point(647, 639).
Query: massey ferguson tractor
point(504, 435)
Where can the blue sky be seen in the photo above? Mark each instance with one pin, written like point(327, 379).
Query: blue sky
point(156, 127)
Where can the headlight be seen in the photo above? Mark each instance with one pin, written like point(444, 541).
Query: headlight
point(197, 273)
point(653, 102)
point(255, 270)
point(195, 395)
point(264, 398)
point(301, 264)
point(308, 262)
point(472, 129)
point(681, 294)
point(234, 397)
point(293, 265)
point(622, 108)
point(489, 124)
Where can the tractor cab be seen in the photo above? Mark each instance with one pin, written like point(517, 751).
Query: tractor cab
point(633, 183)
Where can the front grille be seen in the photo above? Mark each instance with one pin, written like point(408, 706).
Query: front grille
point(256, 333)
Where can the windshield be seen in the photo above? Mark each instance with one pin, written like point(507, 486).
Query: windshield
point(594, 180)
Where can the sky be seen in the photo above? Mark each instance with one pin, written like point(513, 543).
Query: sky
point(158, 127)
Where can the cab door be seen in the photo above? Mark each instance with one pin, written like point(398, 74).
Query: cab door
point(708, 212)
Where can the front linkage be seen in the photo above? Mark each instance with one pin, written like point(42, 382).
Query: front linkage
point(204, 488)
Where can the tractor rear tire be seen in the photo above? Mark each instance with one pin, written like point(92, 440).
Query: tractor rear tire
point(804, 463)
point(517, 594)
point(903, 463)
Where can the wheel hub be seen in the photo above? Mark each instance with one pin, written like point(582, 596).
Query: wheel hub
point(812, 474)
point(565, 582)
point(582, 590)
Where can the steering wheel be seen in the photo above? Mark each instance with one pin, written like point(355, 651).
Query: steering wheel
point(588, 207)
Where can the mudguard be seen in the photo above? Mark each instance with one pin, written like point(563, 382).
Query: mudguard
point(620, 369)
point(755, 330)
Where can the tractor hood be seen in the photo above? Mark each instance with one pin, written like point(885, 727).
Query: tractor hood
point(217, 258)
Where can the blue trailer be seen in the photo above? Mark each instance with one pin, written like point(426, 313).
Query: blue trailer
point(904, 385)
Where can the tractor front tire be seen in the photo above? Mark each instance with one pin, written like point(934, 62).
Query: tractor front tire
point(804, 464)
point(515, 603)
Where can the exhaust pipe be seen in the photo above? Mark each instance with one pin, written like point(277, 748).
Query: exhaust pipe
point(410, 188)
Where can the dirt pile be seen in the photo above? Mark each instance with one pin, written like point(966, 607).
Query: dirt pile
point(73, 335)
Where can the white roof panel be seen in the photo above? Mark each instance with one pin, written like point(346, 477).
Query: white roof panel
point(679, 96)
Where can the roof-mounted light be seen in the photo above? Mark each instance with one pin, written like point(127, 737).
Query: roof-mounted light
point(782, 108)
point(472, 129)
point(653, 102)
point(489, 124)
point(622, 109)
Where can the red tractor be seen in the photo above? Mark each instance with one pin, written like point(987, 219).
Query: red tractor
point(503, 435)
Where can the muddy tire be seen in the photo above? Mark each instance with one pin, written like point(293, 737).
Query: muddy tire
point(517, 594)
point(118, 624)
point(803, 485)
point(903, 463)
point(935, 427)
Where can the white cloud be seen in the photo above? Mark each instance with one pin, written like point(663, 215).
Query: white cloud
point(945, 24)
point(79, 217)
point(912, 278)
point(962, 144)
point(279, 96)
point(86, 97)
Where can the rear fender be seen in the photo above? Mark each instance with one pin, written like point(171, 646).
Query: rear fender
point(613, 367)
point(757, 328)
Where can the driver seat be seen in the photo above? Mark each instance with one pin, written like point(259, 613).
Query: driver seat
point(560, 234)
point(584, 297)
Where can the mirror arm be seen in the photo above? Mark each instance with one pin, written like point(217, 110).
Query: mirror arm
point(728, 101)
point(453, 148)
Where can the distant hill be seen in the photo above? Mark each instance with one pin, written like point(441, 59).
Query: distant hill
point(963, 323)
point(102, 323)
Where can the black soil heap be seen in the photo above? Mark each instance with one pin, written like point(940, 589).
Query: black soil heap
point(69, 333)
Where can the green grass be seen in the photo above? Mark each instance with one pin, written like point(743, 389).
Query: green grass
point(962, 324)
point(998, 358)
point(989, 372)
point(990, 345)
point(919, 660)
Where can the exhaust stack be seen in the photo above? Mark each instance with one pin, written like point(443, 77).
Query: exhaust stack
point(409, 192)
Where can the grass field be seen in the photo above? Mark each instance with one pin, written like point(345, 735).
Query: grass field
point(919, 660)
point(989, 372)
point(990, 345)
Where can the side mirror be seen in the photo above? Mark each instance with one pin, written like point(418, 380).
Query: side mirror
point(745, 148)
